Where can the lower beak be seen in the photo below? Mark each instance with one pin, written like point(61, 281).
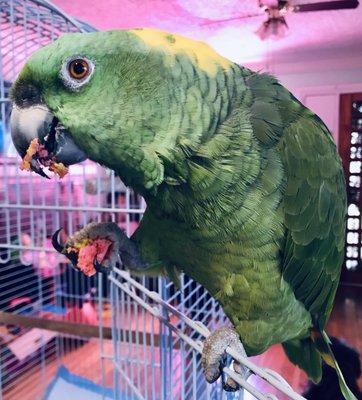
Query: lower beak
point(38, 122)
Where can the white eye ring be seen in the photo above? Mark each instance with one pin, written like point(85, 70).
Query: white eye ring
point(69, 81)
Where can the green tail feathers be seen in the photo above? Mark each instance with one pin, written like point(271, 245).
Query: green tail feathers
point(303, 353)
point(323, 344)
point(308, 354)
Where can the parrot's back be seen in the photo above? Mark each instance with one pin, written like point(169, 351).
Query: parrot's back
point(314, 211)
point(254, 207)
point(314, 199)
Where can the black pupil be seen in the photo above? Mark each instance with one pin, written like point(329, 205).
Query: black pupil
point(79, 68)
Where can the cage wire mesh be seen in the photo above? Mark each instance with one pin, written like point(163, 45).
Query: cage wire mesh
point(36, 281)
point(148, 345)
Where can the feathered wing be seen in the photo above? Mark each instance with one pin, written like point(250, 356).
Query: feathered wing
point(314, 207)
point(314, 202)
point(315, 211)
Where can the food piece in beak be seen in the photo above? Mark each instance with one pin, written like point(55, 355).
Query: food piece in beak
point(37, 151)
point(59, 169)
point(42, 141)
point(30, 153)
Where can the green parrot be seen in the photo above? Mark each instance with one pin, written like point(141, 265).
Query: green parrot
point(244, 187)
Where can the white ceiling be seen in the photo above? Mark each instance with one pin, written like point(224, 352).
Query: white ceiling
point(325, 33)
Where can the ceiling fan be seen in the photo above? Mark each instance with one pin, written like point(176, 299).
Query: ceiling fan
point(275, 26)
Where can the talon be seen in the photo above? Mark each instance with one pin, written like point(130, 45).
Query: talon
point(72, 256)
point(107, 242)
point(99, 267)
point(214, 356)
point(230, 385)
point(55, 241)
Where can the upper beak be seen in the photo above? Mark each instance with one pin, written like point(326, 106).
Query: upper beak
point(39, 122)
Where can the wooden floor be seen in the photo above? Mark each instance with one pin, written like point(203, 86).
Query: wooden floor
point(84, 361)
point(345, 323)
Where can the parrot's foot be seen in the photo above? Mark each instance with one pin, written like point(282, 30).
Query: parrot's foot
point(214, 357)
point(98, 247)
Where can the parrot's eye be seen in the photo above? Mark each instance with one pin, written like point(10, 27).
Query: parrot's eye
point(76, 72)
point(78, 69)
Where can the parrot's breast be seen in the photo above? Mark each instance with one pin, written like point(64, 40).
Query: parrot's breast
point(236, 256)
point(247, 282)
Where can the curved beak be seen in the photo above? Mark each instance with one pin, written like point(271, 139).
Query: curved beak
point(38, 122)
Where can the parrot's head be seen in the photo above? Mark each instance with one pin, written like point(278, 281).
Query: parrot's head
point(121, 98)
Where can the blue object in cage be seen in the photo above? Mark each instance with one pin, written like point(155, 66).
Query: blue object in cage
point(65, 385)
point(2, 137)
point(54, 309)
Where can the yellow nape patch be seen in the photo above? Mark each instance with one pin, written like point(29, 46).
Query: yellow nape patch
point(203, 56)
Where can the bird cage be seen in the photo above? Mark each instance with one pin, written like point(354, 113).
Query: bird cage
point(36, 284)
point(119, 337)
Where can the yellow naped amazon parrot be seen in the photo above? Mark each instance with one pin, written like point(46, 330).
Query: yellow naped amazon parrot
point(244, 187)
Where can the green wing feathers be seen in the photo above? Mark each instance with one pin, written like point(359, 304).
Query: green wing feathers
point(314, 206)
point(308, 353)
point(304, 354)
point(314, 202)
point(323, 345)
point(315, 209)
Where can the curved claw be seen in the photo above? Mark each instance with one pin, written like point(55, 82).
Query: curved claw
point(73, 266)
point(99, 267)
point(55, 241)
point(72, 256)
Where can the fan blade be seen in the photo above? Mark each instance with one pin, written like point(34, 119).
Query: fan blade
point(223, 21)
point(325, 6)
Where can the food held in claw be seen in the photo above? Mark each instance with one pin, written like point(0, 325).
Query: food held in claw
point(88, 251)
point(37, 151)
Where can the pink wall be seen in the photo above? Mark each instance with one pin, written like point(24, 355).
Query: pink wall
point(218, 23)
point(115, 14)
